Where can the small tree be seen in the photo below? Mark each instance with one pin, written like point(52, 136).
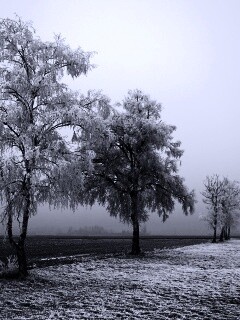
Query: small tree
point(222, 198)
point(213, 194)
point(230, 205)
point(35, 105)
point(135, 165)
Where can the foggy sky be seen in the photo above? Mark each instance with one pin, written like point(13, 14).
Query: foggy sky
point(185, 54)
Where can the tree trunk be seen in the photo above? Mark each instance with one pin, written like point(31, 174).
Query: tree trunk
point(135, 223)
point(214, 240)
point(21, 254)
point(22, 261)
point(227, 237)
point(222, 234)
point(19, 246)
point(135, 240)
point(226, 233)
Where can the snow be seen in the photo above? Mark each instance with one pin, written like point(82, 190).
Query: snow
point(194, 282)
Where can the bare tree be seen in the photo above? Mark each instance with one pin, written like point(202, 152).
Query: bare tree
point(230, 204)
point(222, 197)
point(213, 195)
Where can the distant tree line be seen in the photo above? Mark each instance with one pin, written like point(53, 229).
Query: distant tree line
point(100, 231)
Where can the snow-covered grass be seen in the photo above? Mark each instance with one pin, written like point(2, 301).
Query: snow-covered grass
point(194, 282)
point(9, 266)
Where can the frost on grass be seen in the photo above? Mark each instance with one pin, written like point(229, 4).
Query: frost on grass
point(9, 266)
point(195, 282)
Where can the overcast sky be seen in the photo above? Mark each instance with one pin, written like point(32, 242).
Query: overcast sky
point(184, 54)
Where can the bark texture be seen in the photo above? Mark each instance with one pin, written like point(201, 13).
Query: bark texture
point(135, 223)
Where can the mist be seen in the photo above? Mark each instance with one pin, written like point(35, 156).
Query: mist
point(63, 222)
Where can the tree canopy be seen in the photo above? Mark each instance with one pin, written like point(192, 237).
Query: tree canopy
point(136, 163)
point(35, 105)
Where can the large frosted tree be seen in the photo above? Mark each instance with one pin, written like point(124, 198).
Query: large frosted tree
point(34, 106)
point(135, 164)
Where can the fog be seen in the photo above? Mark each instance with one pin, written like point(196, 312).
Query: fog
point(59, 222)
point(184, 54)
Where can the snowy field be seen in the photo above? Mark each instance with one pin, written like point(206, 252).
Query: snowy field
point(194, 282)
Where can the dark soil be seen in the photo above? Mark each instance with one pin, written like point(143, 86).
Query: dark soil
point(41, 250)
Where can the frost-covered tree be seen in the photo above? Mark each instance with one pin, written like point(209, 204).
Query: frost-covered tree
point(212, 197)
point(135, 165)
point(223, 203)
point(34, 106)
point(230, 206)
